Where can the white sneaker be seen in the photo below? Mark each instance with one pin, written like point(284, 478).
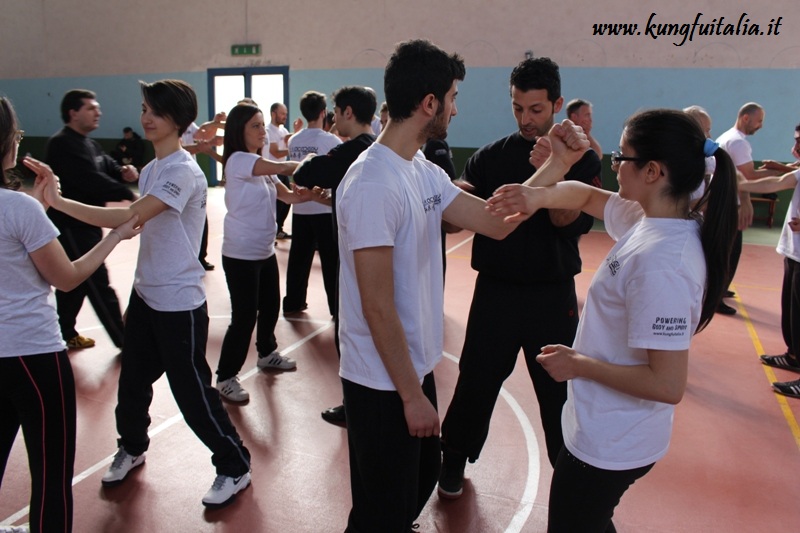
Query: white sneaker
point(224, 489)
point(122, 464)
point(232, 390)
point(14, 529)
point(276, 361)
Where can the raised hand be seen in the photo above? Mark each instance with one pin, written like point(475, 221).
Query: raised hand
point(46, 184)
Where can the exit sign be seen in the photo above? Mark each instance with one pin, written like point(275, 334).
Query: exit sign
point(246, 50)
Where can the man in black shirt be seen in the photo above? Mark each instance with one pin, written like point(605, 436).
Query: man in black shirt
point(529, 276)
point(353, 111)
point(90, 176)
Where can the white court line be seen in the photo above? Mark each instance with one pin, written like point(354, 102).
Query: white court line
point(164, 425)
point(532, 482)
point(462, 243)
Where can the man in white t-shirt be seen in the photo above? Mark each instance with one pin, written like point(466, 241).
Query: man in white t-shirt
point(390, 207)
point(734, 141)
point(311, 221)
point(278, 149)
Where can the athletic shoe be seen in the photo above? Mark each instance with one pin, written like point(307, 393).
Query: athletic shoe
point(206, 265)
point(451, 478)
point(232, 390)
point(281, 235)
point(335, 415)
point(79, 341)
point(295, 311)
point(788, 388)
point(276, 361)
point(785, 361)
point(729, 294)
point(14, 529)
point(122, 464)
point(224, 489)
point(725, 309)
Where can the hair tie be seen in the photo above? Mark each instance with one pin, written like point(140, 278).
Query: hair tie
point(709, 148)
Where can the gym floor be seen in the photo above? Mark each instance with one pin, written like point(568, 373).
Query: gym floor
point(732, 465)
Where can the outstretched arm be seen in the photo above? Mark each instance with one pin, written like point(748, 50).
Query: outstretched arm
point(56, 268)
point(770, 184)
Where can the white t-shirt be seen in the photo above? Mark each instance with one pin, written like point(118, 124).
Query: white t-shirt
point(168, 275)
point(376, 125)
point(385, 200)
point(28, 319)
point(311, 141)
point(275, 134)
point(736, 144)
point(647, 294)
point(188, 136)
point(250, 227)
point(789, 243)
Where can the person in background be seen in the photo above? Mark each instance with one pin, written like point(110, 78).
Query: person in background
point(90, 176)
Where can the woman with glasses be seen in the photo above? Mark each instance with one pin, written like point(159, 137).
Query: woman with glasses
point(37, 389)
point(658, 286)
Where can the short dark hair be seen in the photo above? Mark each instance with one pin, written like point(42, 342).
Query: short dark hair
point(127, 129)
point(274, 107)
point(360, 100)
point(312, 103)
point(73, 101)
point(416, 69)
point(537, 73)
point(8, 129)
point(574, 105)
point(237, 119)
point(797, 128)
point(174, 99)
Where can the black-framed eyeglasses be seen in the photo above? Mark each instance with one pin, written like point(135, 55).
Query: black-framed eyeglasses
point(617, 158)
point(18, 135)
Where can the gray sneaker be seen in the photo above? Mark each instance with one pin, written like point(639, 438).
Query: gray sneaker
point(232, 390)
point(122, 464)
point(276, 361)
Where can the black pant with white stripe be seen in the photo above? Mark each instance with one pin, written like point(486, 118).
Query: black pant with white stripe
point(158, 342)
point(37, 392)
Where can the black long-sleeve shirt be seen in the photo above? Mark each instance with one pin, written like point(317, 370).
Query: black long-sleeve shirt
point(87, 174)
point(537, 251)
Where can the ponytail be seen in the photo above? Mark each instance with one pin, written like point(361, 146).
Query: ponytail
point(718, 232)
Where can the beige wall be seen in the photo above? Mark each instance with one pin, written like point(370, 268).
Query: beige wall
point(54, 38)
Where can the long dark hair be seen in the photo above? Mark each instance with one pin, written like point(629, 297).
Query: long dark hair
point(674, 139)
point(234, 130)
point(8, 129)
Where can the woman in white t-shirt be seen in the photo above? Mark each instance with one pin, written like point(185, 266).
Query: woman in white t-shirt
point(248, 247)
point(37, 389)
point(628, 365)
point(166, 330)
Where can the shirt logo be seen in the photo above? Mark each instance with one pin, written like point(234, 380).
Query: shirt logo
point(613, 265)
point(430, 203)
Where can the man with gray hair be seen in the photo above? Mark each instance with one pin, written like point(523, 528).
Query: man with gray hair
point(580, 112)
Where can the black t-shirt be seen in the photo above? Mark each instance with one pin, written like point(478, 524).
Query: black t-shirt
point(537, 251)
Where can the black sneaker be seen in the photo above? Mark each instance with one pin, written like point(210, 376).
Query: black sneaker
point(281, 235)
point(725, 309)
point(788, 388)
point(729, 294)
point(451, 478)
point(335, 416)
point(785, 361)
